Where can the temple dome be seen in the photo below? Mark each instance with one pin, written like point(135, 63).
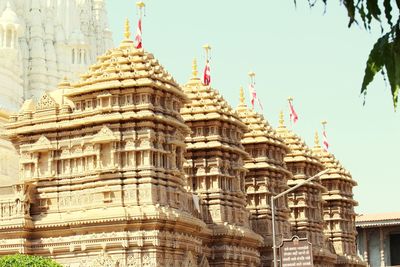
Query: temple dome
point(125, 67)
point(260, 130)
point(335, 172)
point(335, 168)
point(9, 16)
point(299, 151)
point(207, 103)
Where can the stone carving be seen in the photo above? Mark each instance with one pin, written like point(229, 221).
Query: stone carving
point(42, 144)
point(204, 262)
point(189, 260)
point(46, 102)
point(148, 260)
point(112, 184)
point(104, 260)
point(105, 135)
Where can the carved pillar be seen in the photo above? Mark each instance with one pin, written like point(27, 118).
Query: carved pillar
point(62, 167)
point(76, 56)
point(112, 154)
point(50, 162)
point(36, 157)
point(12, 38)
point(82, 57)
point(382, 247)
point(5, 38)
point(173, 148)
point(98, 160)
point(365, 245)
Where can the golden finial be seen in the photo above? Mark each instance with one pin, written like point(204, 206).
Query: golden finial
point(316, 139)
point(252, 76)
point(140, 4)
point(242, 96)
point(290, 98)
point(281, 119)
point(324, 124)
point(194, 68)
point(127, 33)
point(207, 48)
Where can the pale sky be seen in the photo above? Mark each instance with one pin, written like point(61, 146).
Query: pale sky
point(296, 52)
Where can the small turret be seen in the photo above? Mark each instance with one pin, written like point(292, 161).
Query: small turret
point(10, 66)
point(9, 26)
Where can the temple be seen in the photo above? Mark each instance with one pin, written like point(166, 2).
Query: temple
point(43, 41)
point(125, 167)
point(40, 43)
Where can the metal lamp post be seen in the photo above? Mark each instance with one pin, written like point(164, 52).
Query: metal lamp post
point(273, 209)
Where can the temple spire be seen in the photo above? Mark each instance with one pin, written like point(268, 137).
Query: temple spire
point(316, 140)
point(242, 99)
point(194, 68)
point(127, 33)
point(281, 120)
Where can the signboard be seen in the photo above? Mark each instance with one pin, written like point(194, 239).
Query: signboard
point(296, 252)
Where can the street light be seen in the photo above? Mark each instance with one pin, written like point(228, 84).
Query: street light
point(273, 209)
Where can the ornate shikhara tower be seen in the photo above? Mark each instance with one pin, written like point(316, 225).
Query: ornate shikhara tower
point(102, 166)
point(306, 202)
point(267, 175)
point(339, 214)
point(216, 174)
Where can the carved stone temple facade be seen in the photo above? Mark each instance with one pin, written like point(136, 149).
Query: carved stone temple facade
point(41, 42)
point(127, 168)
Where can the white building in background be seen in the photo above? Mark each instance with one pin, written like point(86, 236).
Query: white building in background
point(42, 41)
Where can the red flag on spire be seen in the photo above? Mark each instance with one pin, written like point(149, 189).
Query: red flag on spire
point(253, 96)
point(293, 114)
point(207, 74)
point(138, 37)
point(325, 140)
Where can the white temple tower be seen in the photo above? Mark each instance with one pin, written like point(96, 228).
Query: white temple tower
point(10, 67)
point(43, 41)
point(40, 43)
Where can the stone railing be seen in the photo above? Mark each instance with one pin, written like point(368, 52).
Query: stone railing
point(10, 208)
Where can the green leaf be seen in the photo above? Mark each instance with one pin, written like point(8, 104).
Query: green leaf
point(363, 15)
point(385, 58)
point(375, 62)
point(349, 4)
point(392, 61)
point(388, 10)
point(373, 10)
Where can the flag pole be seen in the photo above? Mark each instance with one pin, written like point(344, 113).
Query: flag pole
point(324, 125)
point(140, 5)
point(138, 38)
point(207, 74)
point(252, 76)
point(207, 48)
point(290, 99)
point(325, 141)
